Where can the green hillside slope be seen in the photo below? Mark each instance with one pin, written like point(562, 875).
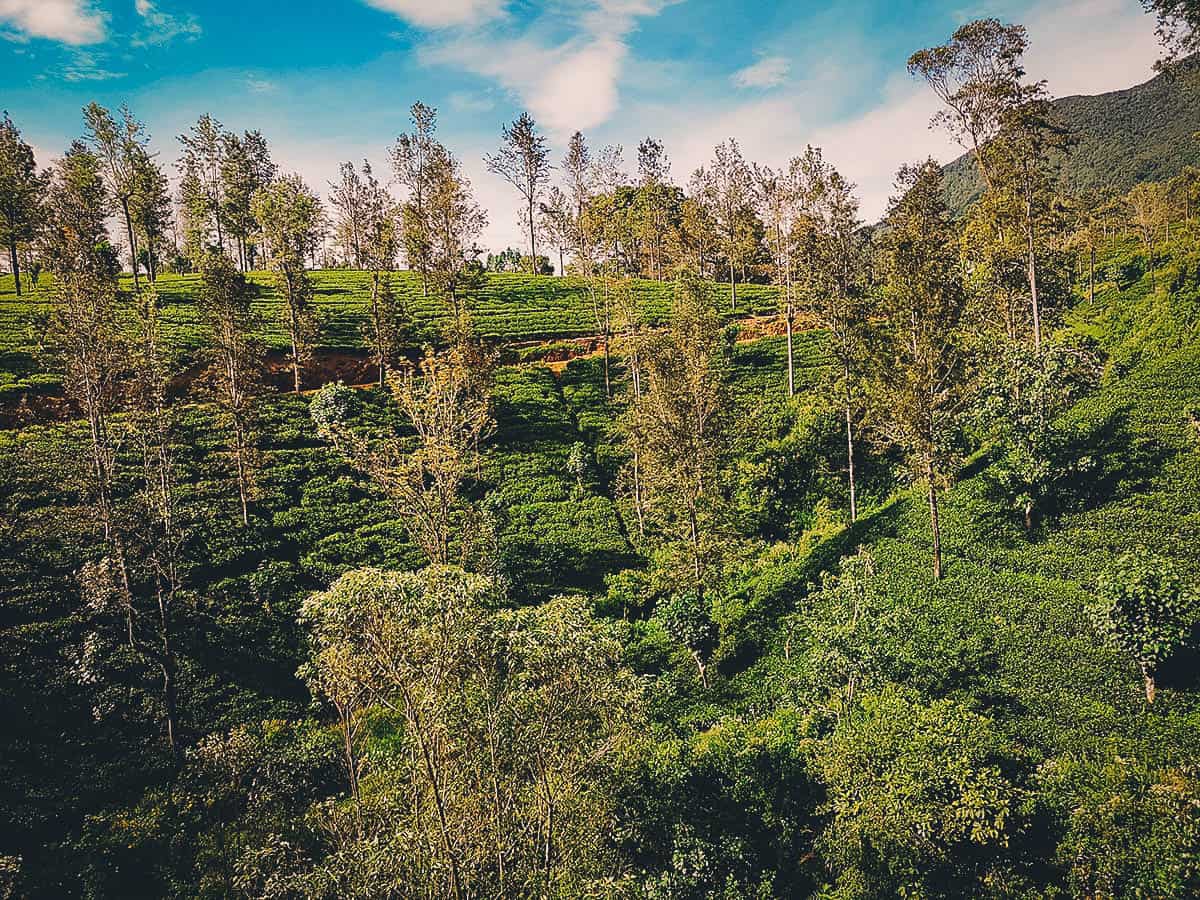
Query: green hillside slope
point(1123, 138)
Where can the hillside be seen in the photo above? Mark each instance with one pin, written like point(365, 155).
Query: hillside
point(1123, 138)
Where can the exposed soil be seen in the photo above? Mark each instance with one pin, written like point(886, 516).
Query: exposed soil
point(355, 368)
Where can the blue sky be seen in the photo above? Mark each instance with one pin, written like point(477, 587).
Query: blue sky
point(331, 81)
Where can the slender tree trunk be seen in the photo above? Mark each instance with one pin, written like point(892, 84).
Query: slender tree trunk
point(1032, 274)
point(533, 264)
point(850, 460)
point(1092, 276)
point(732, 288)
point(132, 241)
point(637, 493)
point(1151, 688)
point(934, 523)
point(15, 263)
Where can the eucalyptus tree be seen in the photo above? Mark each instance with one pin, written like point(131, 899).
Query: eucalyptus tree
point(246, 168)
point(291, 220)
point(412, 157)
point(656, 205)
point(455, 221)
point(152, 213)
point(1003, 120)
point(523, 160)
point(122, 148)
point(725, 190)
point(920, 374)
point(448, 404)
point(349, 198)
point(1146, 206)
point(225, 304)
point(202, 185)
point(379, 247)
point(833, 260)
point(777, 195)
point(21, 193)
point(557, 224)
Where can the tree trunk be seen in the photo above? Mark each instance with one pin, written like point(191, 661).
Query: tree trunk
point(533, 265)
point(732, 288)
point(16, 265)
point(132, 241)
point(1151, 688)
point(1032, 274)
point(791, 359)
point(935, 524)
point(1092, 276)
point(850, 460)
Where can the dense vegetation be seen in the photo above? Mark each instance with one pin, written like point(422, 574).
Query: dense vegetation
point(898, 596)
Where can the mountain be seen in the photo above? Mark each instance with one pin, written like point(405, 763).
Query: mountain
point(1143, 133)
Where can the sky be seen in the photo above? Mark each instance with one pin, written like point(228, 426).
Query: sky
point(332, 80)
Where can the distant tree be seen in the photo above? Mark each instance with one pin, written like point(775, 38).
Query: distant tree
point(152, 212)
point(1005, 122)
point(122, 148)
point(1147, 210)
point(1024, 392)
point(725, 191)
point(557, 224)
point(507, 260)
point(413, 158)
point(245, 169)
point(455, 222)
point(378, 247)
point(225, 304)
point(348, 195)
point(202, 185)
point(291, 220)
point(1144, 607)
point(696, 237)
point(86, 333)
point(523, 160)
point(21, 190)
point(919, 377)
point(778, 197)
point(656, 206)
point(447, 403)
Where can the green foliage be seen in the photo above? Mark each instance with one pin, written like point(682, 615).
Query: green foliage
point(1143, 605)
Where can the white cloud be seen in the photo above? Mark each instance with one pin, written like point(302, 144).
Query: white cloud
point(73, 22)
point(566, 84)
point(768, 72)
point(441, 13)
point(161, 27)
point(1091, 46)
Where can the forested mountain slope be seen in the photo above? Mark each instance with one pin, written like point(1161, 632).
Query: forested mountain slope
point(1122, 138)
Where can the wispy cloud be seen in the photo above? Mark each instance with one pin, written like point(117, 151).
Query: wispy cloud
point(74, 22)
point(86, 66)
point(441, 13)
point(257, 85)
point(162, 27)
point(768, 72)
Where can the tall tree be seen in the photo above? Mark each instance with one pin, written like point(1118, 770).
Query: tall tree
point(834, 262)
point(202, 185)
point(656, 207)
point(122, 147)
point(349, 198)
point(379, 247)
point(225, 304)
point(21, 189)
point(246, 168)
point(455, 222)
point(557, 224)
point(1178, 28)
point(1147, 210)
point(412, 158)
point(523, 160)
point(678, 428)
point(291, 220)
point(726, 191)
point(778, 196)
point(152, 214)
point(1005, 122)
point(920, 373)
